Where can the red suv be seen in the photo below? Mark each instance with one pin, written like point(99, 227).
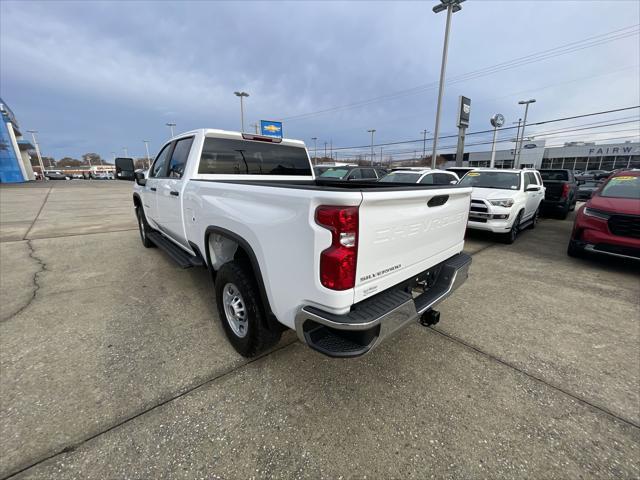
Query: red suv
point(609, 223)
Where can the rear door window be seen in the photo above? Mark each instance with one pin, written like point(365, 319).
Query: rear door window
point(179, 157)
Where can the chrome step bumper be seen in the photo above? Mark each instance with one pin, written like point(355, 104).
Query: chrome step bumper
point(377, 318)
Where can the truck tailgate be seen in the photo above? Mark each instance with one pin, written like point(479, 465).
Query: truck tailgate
point(405, 232)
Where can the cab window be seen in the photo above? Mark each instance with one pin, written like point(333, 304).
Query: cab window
point(159, 166)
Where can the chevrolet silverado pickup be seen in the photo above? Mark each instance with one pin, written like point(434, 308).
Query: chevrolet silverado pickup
point(345, 264)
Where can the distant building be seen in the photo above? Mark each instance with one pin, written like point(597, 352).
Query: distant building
point(572, 155)
point(15, 162)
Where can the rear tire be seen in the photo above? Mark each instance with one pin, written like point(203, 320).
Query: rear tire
point(144, 228)
point(241, 311)
point(565, 212)
point(512, 234)
point(535, 218)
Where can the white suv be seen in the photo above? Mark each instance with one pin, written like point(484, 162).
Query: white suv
point(504, 201)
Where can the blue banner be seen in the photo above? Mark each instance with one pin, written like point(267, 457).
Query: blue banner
point(271, 129)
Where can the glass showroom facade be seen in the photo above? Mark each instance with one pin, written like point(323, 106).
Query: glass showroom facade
point(15, 163)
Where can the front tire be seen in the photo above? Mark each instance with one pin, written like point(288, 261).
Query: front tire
point(512, 234)
point(574, 251)
point(241, 311)
point(144, 228)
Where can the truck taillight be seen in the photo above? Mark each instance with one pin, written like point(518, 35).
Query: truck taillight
point(338, 262)
point(565, 191)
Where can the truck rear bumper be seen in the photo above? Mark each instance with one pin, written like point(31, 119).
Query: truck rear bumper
point(377, 318)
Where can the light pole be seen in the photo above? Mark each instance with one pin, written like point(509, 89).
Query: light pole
point(241, 95)
point(524, 124)
point(171, 125)
point(146, 147)
point(424, 143)
point(451, 6)
point(325, 150)
point(372, 131)
point(496, 121)
point(255, 127)
point(315, 149)
point(35, 144)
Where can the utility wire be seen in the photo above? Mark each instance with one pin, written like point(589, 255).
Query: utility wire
point(401, 142)
point(588, 42)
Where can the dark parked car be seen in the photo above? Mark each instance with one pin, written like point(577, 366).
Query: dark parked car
point(586, 190)
point(561, 191)
point(363, 174)
point(609, 223)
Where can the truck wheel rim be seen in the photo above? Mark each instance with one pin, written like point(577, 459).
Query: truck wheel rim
point(235, 310)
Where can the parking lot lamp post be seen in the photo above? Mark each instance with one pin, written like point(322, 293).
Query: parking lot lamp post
point(241, 95)
point(315, 149)
point(171, 125)
point(146, 147)
point(526, 104)
point(325, 150)
point(451, 6)
point(372, 131)
point(37, 147)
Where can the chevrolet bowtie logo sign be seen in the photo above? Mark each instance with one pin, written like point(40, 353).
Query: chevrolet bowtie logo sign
point(271, 128)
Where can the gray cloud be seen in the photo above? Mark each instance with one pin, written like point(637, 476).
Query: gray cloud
point(99, 76)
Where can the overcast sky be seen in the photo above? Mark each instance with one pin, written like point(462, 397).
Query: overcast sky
point(97, 77)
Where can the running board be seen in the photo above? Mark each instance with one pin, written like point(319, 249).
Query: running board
point(182, 258)
point(524, 225)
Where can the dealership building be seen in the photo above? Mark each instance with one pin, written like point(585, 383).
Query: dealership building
point(572, 155)
point(15, 162)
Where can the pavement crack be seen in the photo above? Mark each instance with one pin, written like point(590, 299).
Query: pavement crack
point(72, 446)
point(575, 396)
point(44, 202)
point(35, 281)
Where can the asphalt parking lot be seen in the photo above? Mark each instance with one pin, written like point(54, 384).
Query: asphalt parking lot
point(114, 365)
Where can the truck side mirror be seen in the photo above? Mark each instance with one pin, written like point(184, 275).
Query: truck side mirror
point(140, 178)
point(125, 169)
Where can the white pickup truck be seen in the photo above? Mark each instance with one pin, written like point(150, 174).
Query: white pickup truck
point(345, 264)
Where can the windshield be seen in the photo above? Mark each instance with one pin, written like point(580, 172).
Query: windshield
point(401, 177)
point(589, 184)
point(335, 173)
point(624, 186)
point(561, 175)
point(500, 180)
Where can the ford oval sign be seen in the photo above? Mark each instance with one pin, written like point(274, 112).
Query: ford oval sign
point(530, 145)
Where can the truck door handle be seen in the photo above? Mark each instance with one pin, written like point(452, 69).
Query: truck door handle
point(174, 193)
point(153, 189)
